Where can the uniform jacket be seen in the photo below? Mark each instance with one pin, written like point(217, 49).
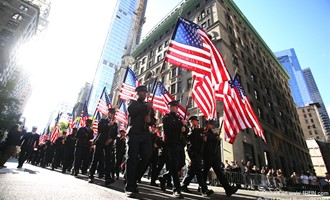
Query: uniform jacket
point(137, 111)
point(195, 140)
point(84, 135)
point(172, 129)
point(105, 131)
point(211, 144)
point(29, 141)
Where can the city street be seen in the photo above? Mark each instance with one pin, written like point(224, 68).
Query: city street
point(33, 182)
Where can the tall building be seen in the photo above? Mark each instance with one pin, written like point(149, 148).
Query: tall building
point(23, 88)
point(316, 97)
point(300, 92)
point(18, 24)
point(123, 35)
point(311, 122)
point(44, 6)
point(261, 74)
point(82, 97)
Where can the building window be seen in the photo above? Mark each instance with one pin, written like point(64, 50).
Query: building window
point(235, 59)
point(255, 94)
point(23, 8)
point(310, 133)
point(203, 14)
point(6, 35)
point(180, 71)
point(173, 72)
point(166, 43)
point(315, 131)
point(305, 116)
point(173, 89)
point(17, 17)
point(141, 70)
point(160, 48)
point(260, 113)
point(253, 77)
point(312, 120)
point(306, 121)
point(204, 25)
point(159, 58)
point(149, 64)
point(310, 115)
point(143, 60)
point(189, 82)
point(12, 24)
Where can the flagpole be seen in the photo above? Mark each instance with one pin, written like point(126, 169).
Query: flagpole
point(99, 100)
point(188, 97)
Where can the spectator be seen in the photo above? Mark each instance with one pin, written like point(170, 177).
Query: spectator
point(228, 167)
point(295, 179)
point(304, 178)
point(263, 174)
point(313, 179)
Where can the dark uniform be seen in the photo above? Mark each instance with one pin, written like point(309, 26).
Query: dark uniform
point(59, 151)
point(120, 153)
point(212, 159)
point(69, 144)
point(98, 155)
point(175, 141)
point(156, 143)
point(195, 152)
point(82, 148)
point(138, 140)
point(29, 141)
point(10, 144)
point(109, 159)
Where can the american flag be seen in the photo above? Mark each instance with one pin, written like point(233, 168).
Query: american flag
point(84, 115)
point(162, 98)
point(121, 115)
point(238, 113)
point(96, 123)
point(204, 95)
point(72, 123)
point(127, 90)
point(55, 133)
point(191, 48)
point(104, 103)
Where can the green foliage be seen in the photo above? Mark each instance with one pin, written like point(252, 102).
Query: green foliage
point(9, 106)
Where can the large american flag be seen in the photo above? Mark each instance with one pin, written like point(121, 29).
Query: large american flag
point(84, 115)
point(127, 90)
point(104, 103)
point(204, 95)
point(121, 115)
point(191, 48)
point(238, 112)
point(162, 98)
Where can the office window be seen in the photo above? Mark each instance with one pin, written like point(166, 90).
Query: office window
point(173, 89)
point(315, 131)
point(144, 60)
point(159, 58)
point(204, 25)
point(23, 8)
point(255, 94)
point(18, 17)
point(173, 72)
point(166, 43)
point(310, 133)
point(160, 48)
point(203, 14)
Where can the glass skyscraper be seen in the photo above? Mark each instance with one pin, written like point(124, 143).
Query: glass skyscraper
point(123, 35)
point(316, 97)
point(299, 89)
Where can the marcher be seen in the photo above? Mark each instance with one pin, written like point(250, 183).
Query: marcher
point(196, 140)
point(212, 158)
point(59, 151)
point(174, 129)
point(120, 151)
point(141, 116)
point(69, 144)
point(82, 148)
point(10, 144)
point(28, 142)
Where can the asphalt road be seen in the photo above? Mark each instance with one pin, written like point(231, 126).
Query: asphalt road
point(31, 182)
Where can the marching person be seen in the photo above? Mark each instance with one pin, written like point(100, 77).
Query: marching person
point(10, 144)
point(69, 144)
point(101, 141)
point(120, 151)
point(29, 141)
point(175, 130)
point(196, 140)
point(82, 148)
point(212, 158)
point(141, 116)
point(59, 151)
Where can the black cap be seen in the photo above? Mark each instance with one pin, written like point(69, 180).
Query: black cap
point(173, 103)
point(89, 121)
point(210, 121)
point(112, 110)
point(141, 88)
point(193, 118)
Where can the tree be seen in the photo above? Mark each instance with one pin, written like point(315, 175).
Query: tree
point(9, 106)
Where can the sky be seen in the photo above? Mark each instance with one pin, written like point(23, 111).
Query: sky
point(66, 56)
